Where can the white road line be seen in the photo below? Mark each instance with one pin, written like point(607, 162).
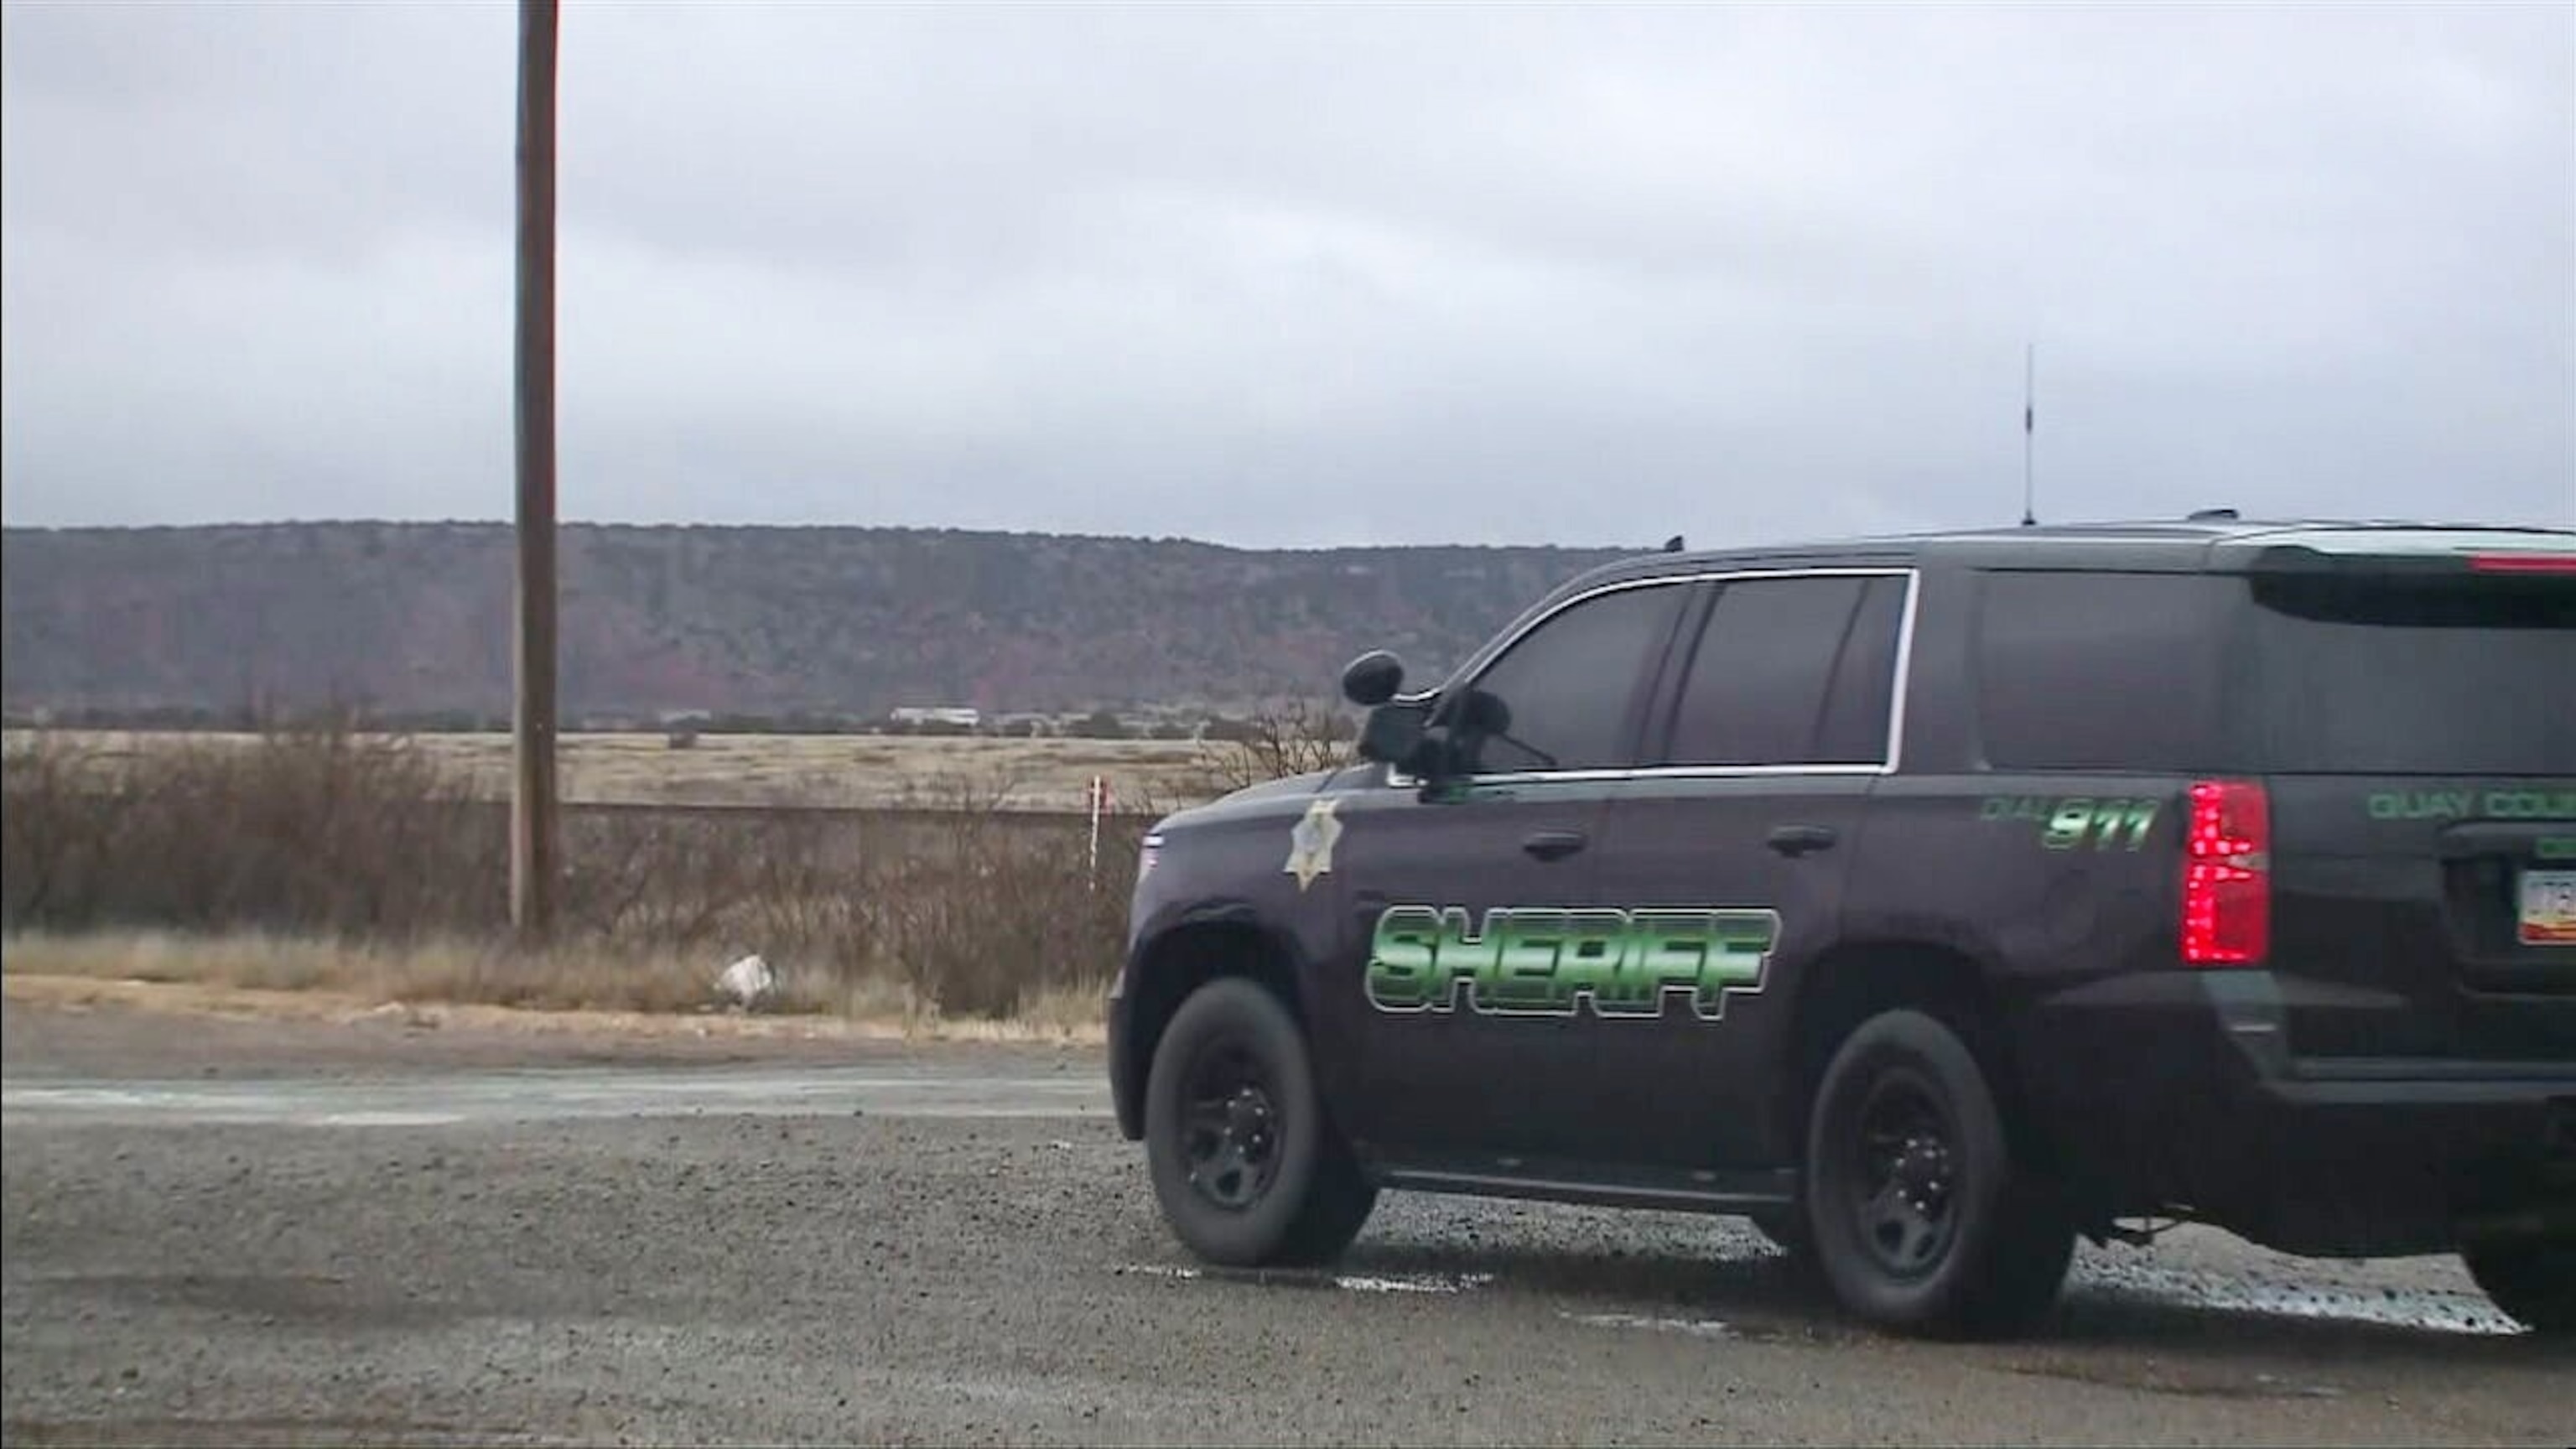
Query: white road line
point(1694, 1327)
point(1347, 1282)
point(1414, 1282)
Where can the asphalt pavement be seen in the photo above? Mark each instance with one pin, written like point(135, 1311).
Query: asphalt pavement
point(244, 1233)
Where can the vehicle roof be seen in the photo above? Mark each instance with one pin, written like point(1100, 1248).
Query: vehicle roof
point(2192, 544)
point(2204, 542)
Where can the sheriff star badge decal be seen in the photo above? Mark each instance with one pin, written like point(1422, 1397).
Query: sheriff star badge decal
point(1310, 849)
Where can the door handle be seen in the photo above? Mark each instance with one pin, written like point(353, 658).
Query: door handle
point(1554, 844)
point(1796, 840)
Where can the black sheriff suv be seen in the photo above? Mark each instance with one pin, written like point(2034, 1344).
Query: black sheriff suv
point(1930, 901)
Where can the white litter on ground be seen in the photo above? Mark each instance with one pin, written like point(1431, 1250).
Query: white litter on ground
point(748, 983)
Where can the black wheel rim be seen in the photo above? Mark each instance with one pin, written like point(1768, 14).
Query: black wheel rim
point(1230, 1125)
point(1905, 1192)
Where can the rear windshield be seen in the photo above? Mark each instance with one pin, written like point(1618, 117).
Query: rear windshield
point(2453, 675)
point(2287, 674)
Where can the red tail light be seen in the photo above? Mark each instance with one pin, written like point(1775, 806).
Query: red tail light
point(2226, 881)
point(2523, 563)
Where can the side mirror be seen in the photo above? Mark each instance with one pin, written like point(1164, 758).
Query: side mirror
point(1394, 733)
point(1372, 679)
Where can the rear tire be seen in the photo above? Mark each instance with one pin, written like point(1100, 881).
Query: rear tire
point(1921, 1219)
point(1246, 1168)
point(2533, 1279)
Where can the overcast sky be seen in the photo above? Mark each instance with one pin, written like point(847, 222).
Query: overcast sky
point(1300, 275)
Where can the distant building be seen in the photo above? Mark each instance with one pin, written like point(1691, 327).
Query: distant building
point(942, 715)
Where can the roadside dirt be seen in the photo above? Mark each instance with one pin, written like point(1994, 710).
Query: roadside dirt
point(73, 1026)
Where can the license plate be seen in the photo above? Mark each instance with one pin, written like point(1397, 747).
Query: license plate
point(2549, 908)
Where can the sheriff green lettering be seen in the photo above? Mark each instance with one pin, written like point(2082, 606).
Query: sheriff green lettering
point(2068, 822)
point(1550, 962)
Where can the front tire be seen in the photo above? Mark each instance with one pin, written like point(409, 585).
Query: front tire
point(1246, 1167)
point(2533, 1279)
point(1918, 1212)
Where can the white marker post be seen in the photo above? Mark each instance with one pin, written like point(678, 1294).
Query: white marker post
point(1099, 805)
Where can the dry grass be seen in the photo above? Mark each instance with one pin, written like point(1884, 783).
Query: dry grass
point(778, 770)
point(368, 843)
point(570, 979)
point(326, 858)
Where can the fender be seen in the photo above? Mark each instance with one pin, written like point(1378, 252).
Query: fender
point(1131, 1040)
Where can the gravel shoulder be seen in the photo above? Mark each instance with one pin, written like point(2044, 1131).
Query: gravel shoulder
point(65, 1027)
point(675, 1273)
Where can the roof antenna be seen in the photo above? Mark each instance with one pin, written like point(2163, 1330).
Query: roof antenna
point(2029, 426)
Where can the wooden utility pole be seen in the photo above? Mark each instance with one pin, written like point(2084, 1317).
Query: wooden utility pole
point(532, 800)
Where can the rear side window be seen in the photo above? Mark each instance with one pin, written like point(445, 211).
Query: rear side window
point(1791, 671)
point(2430, 675)
point(2102, 671)
point(1858, 711)
point(1561, 698)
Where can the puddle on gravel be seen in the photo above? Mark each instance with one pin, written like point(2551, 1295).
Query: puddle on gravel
point(1344, 1282)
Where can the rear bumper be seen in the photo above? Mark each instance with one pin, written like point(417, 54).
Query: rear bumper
point(2397, 1166)
point(2175, 1092)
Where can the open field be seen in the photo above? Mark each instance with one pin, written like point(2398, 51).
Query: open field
point(780, 770)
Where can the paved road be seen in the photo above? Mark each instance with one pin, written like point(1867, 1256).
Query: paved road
point(953, 1246)
point(922, 1087)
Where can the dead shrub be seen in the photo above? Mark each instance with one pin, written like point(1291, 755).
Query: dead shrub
point(1297, 738)
point(312, 826)
point(58, 829)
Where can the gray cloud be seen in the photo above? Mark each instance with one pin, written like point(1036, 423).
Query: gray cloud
point(1301, 275)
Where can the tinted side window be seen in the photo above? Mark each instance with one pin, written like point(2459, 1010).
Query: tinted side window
point(2102, 671)
point(1565, 689)
point(1854, 731)
point(1762, 688)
